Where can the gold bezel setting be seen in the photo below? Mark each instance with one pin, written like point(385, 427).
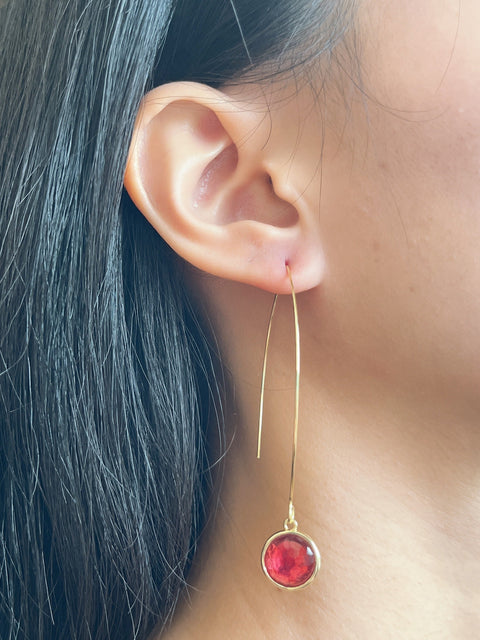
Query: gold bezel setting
point(308, 542)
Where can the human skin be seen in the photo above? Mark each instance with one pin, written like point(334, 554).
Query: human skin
point(387, 162)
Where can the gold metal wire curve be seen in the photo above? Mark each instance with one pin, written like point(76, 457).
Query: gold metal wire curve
point(291, 509)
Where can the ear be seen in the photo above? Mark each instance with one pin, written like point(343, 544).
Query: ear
point(203, 170)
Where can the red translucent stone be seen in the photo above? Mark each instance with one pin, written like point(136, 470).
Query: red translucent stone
point(290, 559)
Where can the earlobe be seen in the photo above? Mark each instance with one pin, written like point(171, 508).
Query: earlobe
point(197, 169)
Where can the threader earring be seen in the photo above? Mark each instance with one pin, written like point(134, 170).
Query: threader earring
point(290, 559)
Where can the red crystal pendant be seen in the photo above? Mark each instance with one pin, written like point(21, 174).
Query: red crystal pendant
point(290, 559)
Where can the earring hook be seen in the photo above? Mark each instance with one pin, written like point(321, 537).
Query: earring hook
point(291, 511)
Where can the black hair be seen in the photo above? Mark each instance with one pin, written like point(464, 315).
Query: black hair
point(109, 391)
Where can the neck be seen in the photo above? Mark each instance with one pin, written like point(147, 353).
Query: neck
point(385, 486)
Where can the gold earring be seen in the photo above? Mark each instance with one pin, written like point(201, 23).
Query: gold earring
point(290, 559)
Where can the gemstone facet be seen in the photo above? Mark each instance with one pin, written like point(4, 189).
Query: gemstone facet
point(290, 559)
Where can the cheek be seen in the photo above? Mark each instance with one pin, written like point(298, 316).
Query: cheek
point(421, 136)
point(420, 63)
point(430, 172)
point(414, 202)
point(401, 200)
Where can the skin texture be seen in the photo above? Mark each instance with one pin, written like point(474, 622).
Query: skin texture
point(370, 189)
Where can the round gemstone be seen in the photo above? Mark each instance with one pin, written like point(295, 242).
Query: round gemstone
point(290, 559)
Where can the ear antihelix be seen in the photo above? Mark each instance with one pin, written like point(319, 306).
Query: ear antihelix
point(215, 175)
point(176, 157)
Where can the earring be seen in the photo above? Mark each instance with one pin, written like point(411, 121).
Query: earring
point(290, 559)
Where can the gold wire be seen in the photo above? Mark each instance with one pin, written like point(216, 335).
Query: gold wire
point(264, 371)
point(290, 522)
